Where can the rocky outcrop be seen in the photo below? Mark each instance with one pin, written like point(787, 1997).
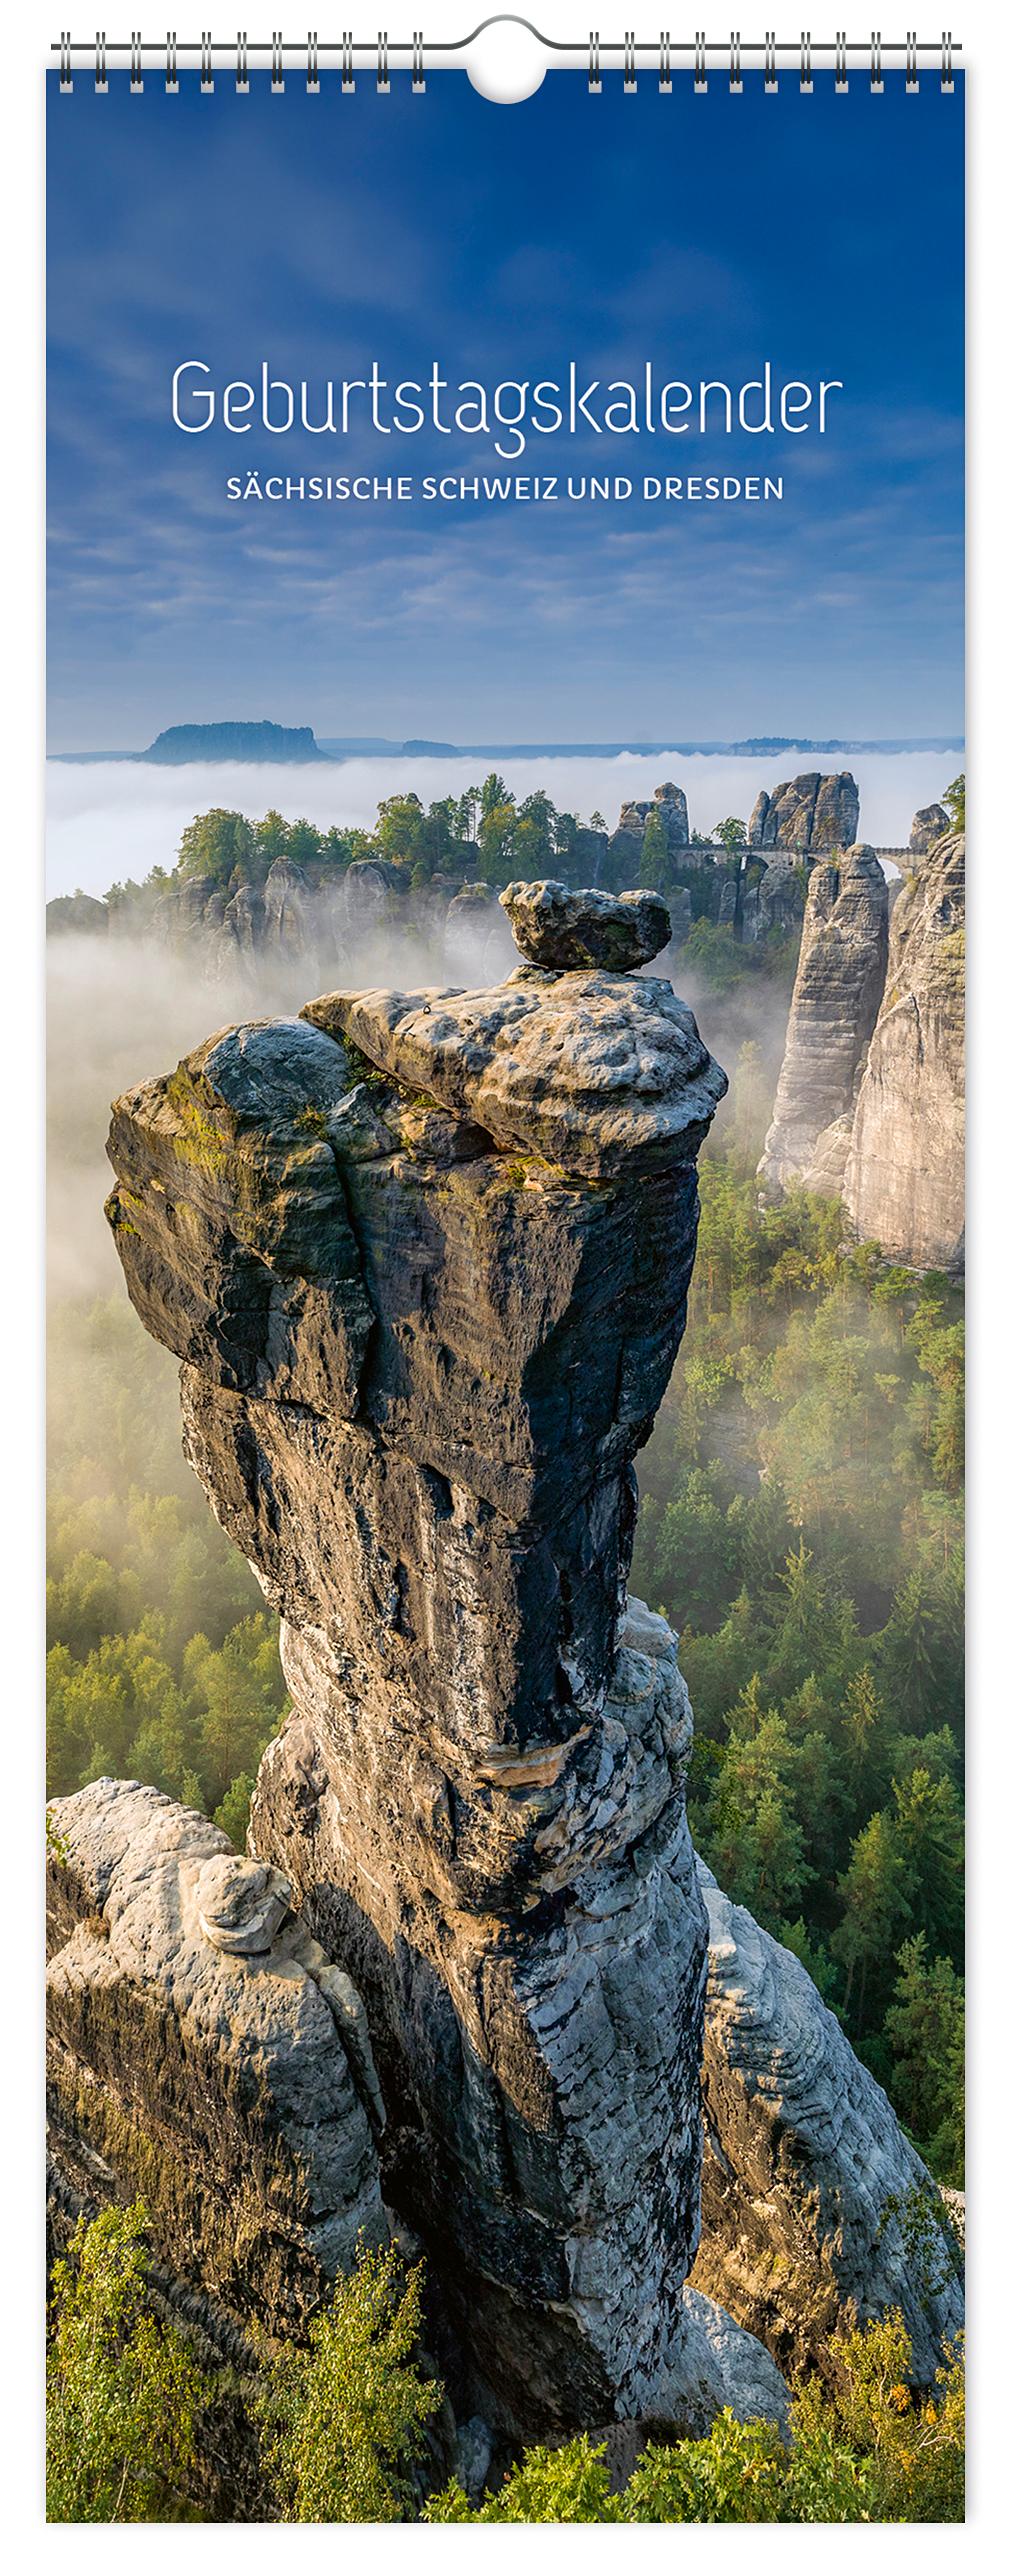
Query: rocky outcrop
point(473, 925)
point(552, 926)
point(602, 1076)
point(929, 824)
point(286, 908)
point(807, 814)
point(369, 888)
point(781, 897)
point(245, 920)
point(425, 1258)
point(267, 742)
point(870, 1106)
point(426, 1310)
point(77, 912)
point(679, 907)
point(816, 2212)
point(904, 1181)
point(838, 988)
point(670, 804)
point(203, 2051)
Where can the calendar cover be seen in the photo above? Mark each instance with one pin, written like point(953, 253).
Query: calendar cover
point(506, 951)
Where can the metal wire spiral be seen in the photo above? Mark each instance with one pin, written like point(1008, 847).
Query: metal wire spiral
point(625, 58)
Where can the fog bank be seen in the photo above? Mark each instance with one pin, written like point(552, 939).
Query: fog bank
point(107, 820)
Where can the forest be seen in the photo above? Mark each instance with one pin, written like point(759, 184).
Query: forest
point(485, 835)
point(802, 1527)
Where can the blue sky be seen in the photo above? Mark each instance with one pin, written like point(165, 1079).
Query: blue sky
point(708, 234)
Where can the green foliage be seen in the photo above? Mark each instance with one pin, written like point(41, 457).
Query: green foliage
point(714, 955)
point(925, 2029)
point(801, 1524)
point(217, 843)
point(343, 2420)
point(568, 2484)
point(863, 2451)
point(732, 836)
point(123, 2393)
point(232, 1816)
point(718, 962)
point(654, 863)
point(224, 850)
point(162, 1660)
point(954, 798)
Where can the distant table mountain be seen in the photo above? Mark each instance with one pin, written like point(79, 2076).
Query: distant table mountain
point(183, 742)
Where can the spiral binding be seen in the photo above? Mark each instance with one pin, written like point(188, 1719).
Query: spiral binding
point(93, 57)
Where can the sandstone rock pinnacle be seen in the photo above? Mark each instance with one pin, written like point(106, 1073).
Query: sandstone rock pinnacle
point(838, 988)
point(870, 1106)
point(904, 1180)
point(426, 1309)
point(809, 814)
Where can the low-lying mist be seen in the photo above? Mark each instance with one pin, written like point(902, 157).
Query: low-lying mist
point(124, 1009)
point(110, 819)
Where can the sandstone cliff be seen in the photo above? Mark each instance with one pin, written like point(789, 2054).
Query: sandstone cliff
point(929, 823)
point(838, 988)
point(808, 2184)
point(203, 2051)
point(904, 1182)
point(870, 1105)
point(807, 814)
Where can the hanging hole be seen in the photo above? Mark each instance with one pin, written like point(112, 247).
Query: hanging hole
point(506, 62)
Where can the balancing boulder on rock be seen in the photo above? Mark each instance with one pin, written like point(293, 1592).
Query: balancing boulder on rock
point(555, 926)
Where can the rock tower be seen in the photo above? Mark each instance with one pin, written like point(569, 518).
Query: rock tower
point(424, 1258)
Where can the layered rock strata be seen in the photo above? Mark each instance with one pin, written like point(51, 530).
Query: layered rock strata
point(870, 1106)
point(816, 2212)
point(202, 2050)
point(554, 927)
point(929, 823)
point(807, 814)
point(837, 992)
point(904, 1182)
point(427, 1308)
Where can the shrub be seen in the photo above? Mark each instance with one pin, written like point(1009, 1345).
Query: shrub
point(343, 2419)
point(862, 2450)
point(123, 2393)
